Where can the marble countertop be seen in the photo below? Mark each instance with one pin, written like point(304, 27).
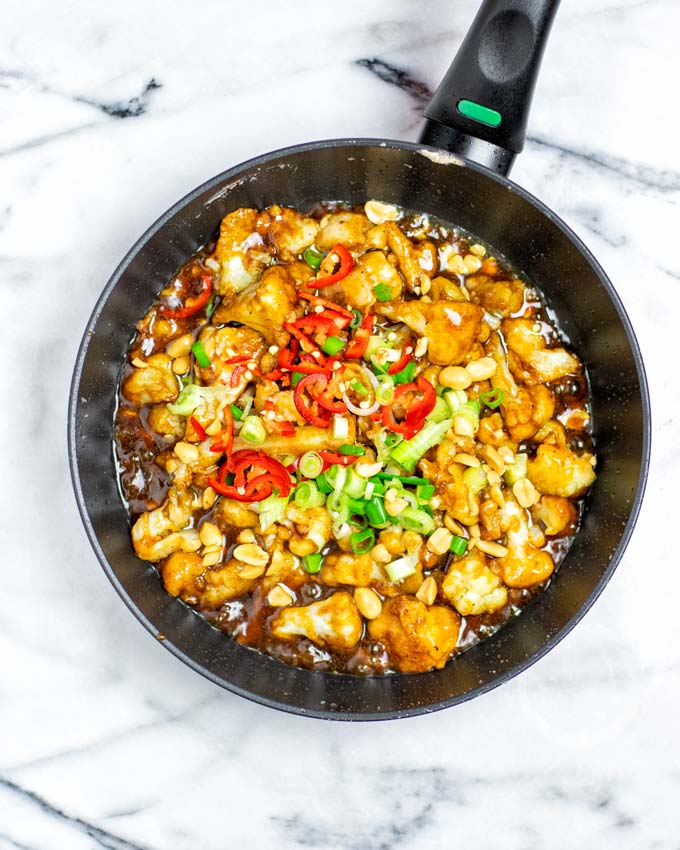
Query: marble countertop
point(112, 112)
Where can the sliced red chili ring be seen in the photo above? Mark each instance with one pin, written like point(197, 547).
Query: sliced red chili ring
point(416, 411)
point(236, 374)
point(310, 409)
point(329, 458)
point(193, 304)
point(357, 348)
point(324, 302)
point(226, 438)
point(346, 265)
point(305, 342)
point(404, 360)
point(198, 428)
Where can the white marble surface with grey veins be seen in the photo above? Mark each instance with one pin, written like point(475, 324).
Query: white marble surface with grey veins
point(110, 112)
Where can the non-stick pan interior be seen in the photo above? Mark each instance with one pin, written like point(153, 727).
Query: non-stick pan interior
point(493, 209)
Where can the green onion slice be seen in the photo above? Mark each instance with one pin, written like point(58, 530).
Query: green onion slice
point(458, 545)
point(312, 563)
point(408, 453)
point(253, 430)
point(347, 449)
point(402, 568)
point(200, 354)
point(311, 465)
point(357, 318)
point(210, 308)
point(406, 375)
point(308, 495)
point(323, 484)
point(333, 345)
point(385, 392)
point(414, 519)
point(313, 258)
point(383, 292)
point(492, 398)
point(295, 378)
point(424, 492)
point(236, 412)
point(362, 541)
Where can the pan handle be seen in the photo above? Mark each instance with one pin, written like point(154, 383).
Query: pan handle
point(481, 107)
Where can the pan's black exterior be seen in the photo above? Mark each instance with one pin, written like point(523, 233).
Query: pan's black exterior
point(517, 225)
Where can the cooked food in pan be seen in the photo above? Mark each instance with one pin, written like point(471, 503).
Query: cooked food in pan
point(352, 438)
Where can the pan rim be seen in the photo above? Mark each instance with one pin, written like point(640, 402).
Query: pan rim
point(445, 159)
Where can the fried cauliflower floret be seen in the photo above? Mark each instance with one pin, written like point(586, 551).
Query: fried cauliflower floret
point(472, 588)
point(264, 306)
point(312, 529)
point(306, 438)
point(529, 359)
point(358, 288)
point(413, 259)
point(334, 623)
point(230, 513)
point(222, 344)
point(451, 327)
point(291, 232)
point(240, 251)
point(225, 583)
point(347, 228)
point(348, 568)
point(556, 471)
point(416, 636)
point(524, 565)
point(444, 289)
point(163, 422)
point(558, 515)
point(500, 297)
point(283, 569)
point(153, 383)
point(447, 476)
point(525, 410)
point(160, 532)
point(181, 575)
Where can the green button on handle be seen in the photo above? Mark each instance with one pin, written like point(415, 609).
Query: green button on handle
point(480, 113)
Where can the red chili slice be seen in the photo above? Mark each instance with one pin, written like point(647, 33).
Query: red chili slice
point(309, 409)
point(313, 324)
point(416, 411)
point(193, 304)
point(357, 348)
point(402, 363)
point(236, 374)
point(346, 266)
point(198, 428)
point(256, 476)
point(226, 439)
point(324, 302)
point(329, 458)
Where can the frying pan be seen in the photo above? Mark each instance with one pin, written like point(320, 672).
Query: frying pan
point(478, 113)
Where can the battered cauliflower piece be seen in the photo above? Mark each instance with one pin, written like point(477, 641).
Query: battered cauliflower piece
point(181, 574)
point(524, 565)
point(163, 422)
point(472, 588)
point(159, 533)
point(525, 410)
point(416, 636)
point(500, 297)
point(224, 584)
point(451, 327)
point(355, 570)
point(413, 260)
point(306, 438)
point(556, 471)
point(333, 623)
point(222, 344)
point(240, 251)
point(348, 228)
point(153, 383)
point(357, 289)
point(558, 515)
point(291, 232)
point(447, 476)
point(231, 513)
point(528, 357)
point(264, 306)
point(285, 569)
point(311, 524)
point(444, 289)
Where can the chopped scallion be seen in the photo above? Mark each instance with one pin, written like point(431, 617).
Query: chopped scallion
point(312, 563)
point(295, 378)
point(375, 512)
point(332, 345)
point(357, 318)
point(383, 292)
point(200, 354)
point(322, 484)
point(492, 398)
point(517, 470)
point(406, 375)
point(347, 449)
point(313, 258)
point(311, 464)
point(362, 541)
point(385, 392)
point(475, 479)
point(307, 495)
point(458, 545)
point(424, 492)
point(413, 519)
point(210, 308)
point(401, 568)
point(236, 412)
point(408, 453)
point(253, 430)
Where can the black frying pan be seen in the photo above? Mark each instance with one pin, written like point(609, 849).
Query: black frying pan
point(495, 69)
